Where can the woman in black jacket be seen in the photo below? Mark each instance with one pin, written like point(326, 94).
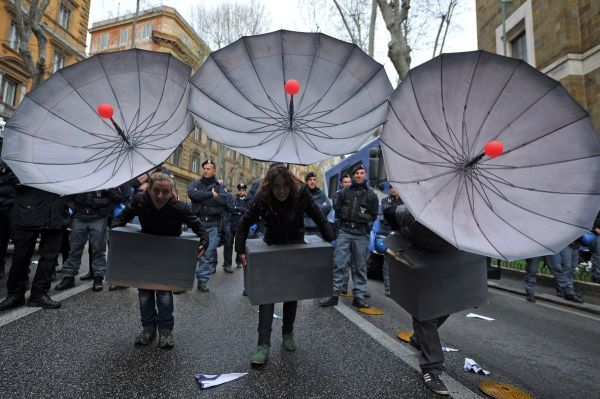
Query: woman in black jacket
point(281, 203)
point(161, 214)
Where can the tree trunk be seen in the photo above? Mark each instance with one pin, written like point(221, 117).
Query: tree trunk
point(372, 26)
point(398, 48)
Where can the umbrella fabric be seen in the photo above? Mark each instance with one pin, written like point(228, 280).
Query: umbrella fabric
point(238, 96)
point(57, 142)
point(534, 199)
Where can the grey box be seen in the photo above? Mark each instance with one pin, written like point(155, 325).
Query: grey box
point(433, 284)
point(153, 262)
point(281, 273)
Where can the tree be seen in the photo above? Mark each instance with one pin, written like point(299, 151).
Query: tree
point(28, 22)
point(395, 17)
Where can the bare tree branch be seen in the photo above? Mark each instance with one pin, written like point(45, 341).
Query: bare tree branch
point(343, 16)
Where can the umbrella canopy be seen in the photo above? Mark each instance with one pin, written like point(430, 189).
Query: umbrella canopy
point(238, 96)
point(57, 141)
point(535, 198)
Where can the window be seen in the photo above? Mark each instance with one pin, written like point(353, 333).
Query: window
point(518, 47)
point(104, 40)
point(124, 38)
point(177, 156)
point(195, 163)
point(333, 185)
point(147, 31)
point(13, 37)
point(63, 16)
point(57, 62)
point(196, 134)
point(9, 91)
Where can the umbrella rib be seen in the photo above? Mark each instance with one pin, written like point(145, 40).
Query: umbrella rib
point(100, 56)
point(465, 135)
point(437, 138)
point(453, 137)
point(510, 78)
point(501, 167)
point(317, 46)
point(161, 124)
point(285, 97)
point(454, 206)
point(221, 126)
point(162, 92)
point(438, 164)
point(139, 82)
point(434, 151)
point(443, 187)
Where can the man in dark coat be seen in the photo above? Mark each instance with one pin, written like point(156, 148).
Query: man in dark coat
point(320, 199)
point(208, 203)
point(8, 193)
point(356, 207)
point(237, 207)
point(37, 214)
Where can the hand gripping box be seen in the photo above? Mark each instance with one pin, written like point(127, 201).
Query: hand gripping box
point(140, 260)
point(280, 273)
point(433, 284)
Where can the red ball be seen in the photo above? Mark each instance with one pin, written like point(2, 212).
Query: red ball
point(292, 87)
point(105, 110)
point(494, 148)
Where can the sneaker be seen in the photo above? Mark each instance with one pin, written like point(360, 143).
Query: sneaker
point(288, 342)
point(434, 383)
point(165, 339)
point(227, 269)
point(261, 355)
point(146, 337)
point(202, 287)
point(97, 286)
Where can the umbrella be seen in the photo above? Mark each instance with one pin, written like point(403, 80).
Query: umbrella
point(243, 96)
point(537, 189)
point(63, 139)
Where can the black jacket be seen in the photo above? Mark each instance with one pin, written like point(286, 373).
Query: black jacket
point(166, 221)
point(8, 181)
point(95, 205)
point(284, 224)
point(401, 220)
point(387, 202)
point(39, 210)
point(206, 206)
point(237, 207)
point(322, 202)
point(356, 208)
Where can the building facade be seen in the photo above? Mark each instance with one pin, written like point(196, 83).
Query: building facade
point(164, 29)
point(65, 25)
point(560, 38)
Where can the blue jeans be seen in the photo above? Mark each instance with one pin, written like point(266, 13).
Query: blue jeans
point(349, 269)
point(209, 259)
point(569, 258)
point(351, 248)
point(97, 233)
point(150, 300)
point(553, 262)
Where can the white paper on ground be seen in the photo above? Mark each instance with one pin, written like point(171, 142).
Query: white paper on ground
point(446, 349)
point(211, 380)
point(471, 365)
point(478, 316)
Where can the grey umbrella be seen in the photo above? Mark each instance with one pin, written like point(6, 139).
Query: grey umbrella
point(535, 198)
point(238, 96)
point(58, 142)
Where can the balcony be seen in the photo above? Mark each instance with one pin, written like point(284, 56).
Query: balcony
point(6, 111)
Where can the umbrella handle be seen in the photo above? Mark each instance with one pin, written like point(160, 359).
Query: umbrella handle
point(120, 131)
point(475, 160)
point(291, 110)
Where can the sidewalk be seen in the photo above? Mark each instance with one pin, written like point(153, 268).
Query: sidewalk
point(512, 281)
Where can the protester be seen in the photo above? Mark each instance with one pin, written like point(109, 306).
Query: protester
point(37, 214)
point(319, 198)
point(208, 203)
point(356, 207)
point(160, 214)
point(91, 212)
point(7, 200)
point(281, 203)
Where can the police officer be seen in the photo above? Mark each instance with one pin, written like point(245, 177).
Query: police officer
point(392, 200)
point(209, 201)
point(8, 192)
point(356, 207)
point(237, 207)
point(320, 199)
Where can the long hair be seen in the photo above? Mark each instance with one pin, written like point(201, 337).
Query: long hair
point(266, 186)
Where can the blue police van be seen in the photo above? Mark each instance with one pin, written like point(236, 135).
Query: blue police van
point(371, 156)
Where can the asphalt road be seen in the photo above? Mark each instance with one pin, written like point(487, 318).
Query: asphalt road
point(85, 349)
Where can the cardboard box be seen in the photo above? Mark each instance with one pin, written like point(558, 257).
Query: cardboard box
point(433, 284)
point(281, 273)
point(140, 260)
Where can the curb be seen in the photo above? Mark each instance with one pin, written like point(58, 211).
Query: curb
point(585, 307)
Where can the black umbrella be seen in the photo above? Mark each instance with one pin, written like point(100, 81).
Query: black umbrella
point(335, 96)
point(533, 198)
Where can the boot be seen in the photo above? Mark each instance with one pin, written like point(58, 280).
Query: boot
point(146, 337)
point(202, 287)
point(12, 301)
point(165, 339)
point(67, 282)
point(88, 276)
point(261, 356)
point(97, 286)
point(359, 303)
point(288, 342)
point(42, 301)
point(331, 301)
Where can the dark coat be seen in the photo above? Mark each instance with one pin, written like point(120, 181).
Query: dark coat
point(387, 202)
point(237, 207)
point(401, 220)
point(356, 208)
point(39, 210)
point(284, 224)
point(95, 205)
point(206, 206)
point(166, 221)
point(8, 181)
point(322, 202)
